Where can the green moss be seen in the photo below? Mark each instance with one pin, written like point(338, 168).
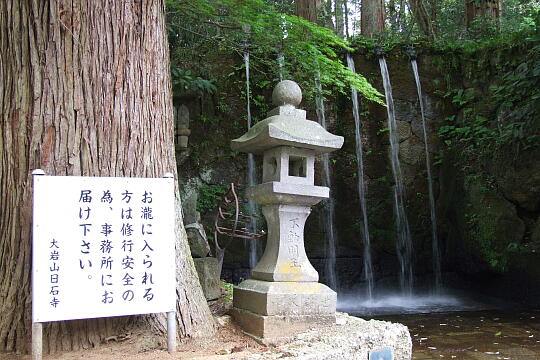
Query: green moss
point(227, 291)
point(495, 232)
point(209, 196)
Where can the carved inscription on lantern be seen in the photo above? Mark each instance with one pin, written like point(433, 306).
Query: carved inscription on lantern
point(301, 304)
point(294, 237)
point(296, 305)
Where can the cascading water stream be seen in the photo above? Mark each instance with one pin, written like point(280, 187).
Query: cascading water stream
point(281, 57)
point(434, 238)
point(281, 65)
point(368, 266)
point(250, 243)
point(329, 204)
point(403, 241)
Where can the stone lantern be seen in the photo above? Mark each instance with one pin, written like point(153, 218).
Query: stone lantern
point(181, 115)
point(283, 296)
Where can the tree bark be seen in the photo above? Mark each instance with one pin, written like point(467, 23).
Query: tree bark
point(84, 90)
point(476, 8)
point(340, 18)
point(307, 9)
point(372, 17)
point(424, 15)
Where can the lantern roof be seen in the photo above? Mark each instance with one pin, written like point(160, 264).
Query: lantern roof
point(287, 126)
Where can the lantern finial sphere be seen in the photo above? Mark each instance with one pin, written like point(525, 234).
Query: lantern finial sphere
point(287, 92)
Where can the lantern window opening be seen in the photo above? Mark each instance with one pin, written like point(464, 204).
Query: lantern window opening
point(297, 166)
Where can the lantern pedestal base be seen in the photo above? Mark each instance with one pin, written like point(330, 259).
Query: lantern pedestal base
point(276, 329)
point(274, 310)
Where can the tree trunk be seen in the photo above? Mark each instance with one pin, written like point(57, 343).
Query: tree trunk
point(424, 15)
point(84, 90)
point(307, 9)
point(372, 17)
point(339, 16)
point(476, 8)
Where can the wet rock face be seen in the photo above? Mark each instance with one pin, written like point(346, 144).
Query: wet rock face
point(477, 222)
point(198, 243)
point(519, 179)
point(535, 234)
point(494, 223)
point(207, 269)
point(378, 174)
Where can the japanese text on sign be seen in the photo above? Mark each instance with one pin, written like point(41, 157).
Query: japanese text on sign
point(96, 246)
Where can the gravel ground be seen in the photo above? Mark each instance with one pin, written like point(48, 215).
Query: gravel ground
point(351, 338)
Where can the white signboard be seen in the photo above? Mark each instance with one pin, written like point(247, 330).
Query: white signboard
point(102, 247)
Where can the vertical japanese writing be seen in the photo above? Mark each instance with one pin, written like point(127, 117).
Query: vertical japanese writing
point(85, 211)
point(293, 237)
point(147, 219)
point(105, 249)
point(54, 277)
point(127, 262)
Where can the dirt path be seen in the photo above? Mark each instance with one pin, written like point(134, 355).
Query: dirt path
point(229, 343)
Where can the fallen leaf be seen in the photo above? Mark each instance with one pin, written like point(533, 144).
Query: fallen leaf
point(237, 349)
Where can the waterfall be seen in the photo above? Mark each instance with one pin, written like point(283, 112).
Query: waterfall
point(434, 238)
point(281, 65)
point(368, 267)
point(281, 57)
point(329, 205)
point(250, 243)
point(403, 241)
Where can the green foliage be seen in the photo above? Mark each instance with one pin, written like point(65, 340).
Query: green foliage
point(383, 130)
point(226, 291)
point(503, 115)
point(200, 30)
point(184, 81)
point(209, 196)
point(481, 231)
point(483, 224)
point(448, 20)
point(519, 99)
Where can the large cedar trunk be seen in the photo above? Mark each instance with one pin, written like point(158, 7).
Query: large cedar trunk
point(307, 9)
point(340, 17)
point(372, 17)
point(84, 90)
point(476, 8)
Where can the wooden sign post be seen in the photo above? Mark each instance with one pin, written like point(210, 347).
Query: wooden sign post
point(102, 247)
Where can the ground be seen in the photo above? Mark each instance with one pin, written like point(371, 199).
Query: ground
point(229, 343)
point(350, 337)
